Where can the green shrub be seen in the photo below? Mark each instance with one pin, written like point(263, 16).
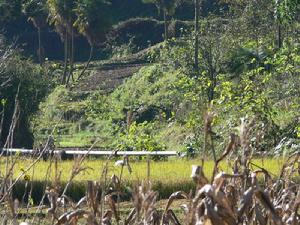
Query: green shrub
point(62, 110)
point(19, 76)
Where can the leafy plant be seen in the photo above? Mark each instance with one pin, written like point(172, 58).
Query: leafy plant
point(24, 83)
point(140, 137)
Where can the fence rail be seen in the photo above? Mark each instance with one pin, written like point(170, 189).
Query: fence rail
point(94, 153)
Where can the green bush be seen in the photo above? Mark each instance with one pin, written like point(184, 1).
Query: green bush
point(62, 110)
point(20, 77)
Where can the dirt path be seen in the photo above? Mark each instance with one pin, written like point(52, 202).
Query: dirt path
point(113, 72)
point(108, 77)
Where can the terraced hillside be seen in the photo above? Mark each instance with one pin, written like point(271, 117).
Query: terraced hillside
point(108, 77)
point(66, 109)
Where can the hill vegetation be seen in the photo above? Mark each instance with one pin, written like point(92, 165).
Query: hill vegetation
point(217, 81)
point(158, 97)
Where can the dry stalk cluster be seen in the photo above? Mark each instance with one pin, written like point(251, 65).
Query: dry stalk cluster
point(228, 199)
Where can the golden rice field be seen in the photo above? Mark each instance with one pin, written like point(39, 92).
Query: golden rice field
point(170, 171)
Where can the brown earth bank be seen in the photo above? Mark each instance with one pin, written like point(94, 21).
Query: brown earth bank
point(108, 77)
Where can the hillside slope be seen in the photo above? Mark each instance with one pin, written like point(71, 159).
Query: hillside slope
point(108, 78)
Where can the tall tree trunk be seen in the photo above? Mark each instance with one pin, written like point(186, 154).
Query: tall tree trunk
point(166, 24)
point(279, 35)
point(212, 76)
point(88, 62)
point(1, 124)
point(196, 53)
point(40, 46)
point(211, 90)
point(66, 41)
point(71, 55)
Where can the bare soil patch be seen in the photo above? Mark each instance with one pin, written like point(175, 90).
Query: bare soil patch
point(108, 77)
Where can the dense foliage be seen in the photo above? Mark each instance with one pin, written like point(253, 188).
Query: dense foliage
point(247, 67)
point(23, 86)
point(224, 85)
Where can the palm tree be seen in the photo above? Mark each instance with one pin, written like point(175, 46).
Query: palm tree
point(167, 7)
point(92, 22)
point(37, 13)
point(61, 14)
point(196, 52)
